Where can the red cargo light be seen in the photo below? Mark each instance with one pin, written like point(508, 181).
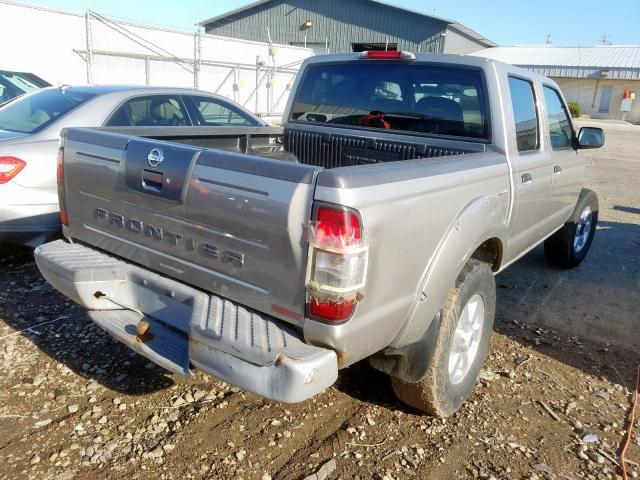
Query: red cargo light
point(387, 55)
point(10, 167)
point(337, 263)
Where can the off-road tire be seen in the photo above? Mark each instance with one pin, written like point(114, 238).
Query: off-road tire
point(560, 249)
point(434, 393)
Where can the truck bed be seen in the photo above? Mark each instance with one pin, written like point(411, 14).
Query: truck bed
point(311, 146)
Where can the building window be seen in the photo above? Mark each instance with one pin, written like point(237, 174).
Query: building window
point(365, 47)
point(317, 47)
point(524, 113)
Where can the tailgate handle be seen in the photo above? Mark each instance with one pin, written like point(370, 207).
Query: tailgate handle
point(152, 180)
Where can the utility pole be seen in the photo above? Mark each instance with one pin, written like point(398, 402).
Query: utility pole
point(89, 46)
point(197, 52)
point(549, 39)
point(605, 39)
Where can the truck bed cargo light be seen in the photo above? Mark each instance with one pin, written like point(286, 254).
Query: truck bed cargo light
point(387, 55)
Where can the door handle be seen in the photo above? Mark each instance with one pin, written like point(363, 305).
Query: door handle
point(526, 179)
point(152, 180)
point(557, 169)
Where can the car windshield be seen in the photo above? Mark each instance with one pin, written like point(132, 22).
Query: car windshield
point(416, 97)
point(34, 112)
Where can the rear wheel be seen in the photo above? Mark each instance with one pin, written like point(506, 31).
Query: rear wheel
point(569, 246)
point(461, 347)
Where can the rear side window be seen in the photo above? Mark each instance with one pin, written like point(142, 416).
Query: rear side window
point(525, 114)
point(212, 112)
point(39, 109)
point(150, 111)
point(412, 97)
point(560, 128)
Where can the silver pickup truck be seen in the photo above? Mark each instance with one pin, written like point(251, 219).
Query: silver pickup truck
point(370, 226)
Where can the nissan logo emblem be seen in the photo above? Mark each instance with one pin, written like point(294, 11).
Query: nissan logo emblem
point(155, 157)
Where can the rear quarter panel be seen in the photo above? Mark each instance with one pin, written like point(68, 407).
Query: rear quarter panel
point(412, 212)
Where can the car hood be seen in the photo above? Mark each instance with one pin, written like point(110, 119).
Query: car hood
point(9, 135)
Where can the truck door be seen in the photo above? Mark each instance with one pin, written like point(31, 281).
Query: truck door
point(567, 166)
point(532, 168)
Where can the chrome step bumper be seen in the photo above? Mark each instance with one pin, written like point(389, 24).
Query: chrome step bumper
point(188, 327)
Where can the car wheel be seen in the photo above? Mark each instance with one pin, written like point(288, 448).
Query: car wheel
point(569, 246)
point(461, 347)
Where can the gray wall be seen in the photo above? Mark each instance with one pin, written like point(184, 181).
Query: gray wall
point(458, 42)
point(343, 22)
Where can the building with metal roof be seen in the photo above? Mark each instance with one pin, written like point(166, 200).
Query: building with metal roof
point(345, 26)
point(597, 78)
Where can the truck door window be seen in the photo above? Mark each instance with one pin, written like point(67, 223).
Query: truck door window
point(524, 113)
point(560, 128)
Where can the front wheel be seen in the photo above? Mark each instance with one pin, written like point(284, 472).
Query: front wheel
point(461, 347)
point(568, 246)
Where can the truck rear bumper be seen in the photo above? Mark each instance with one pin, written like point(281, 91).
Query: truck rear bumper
point(187, 327)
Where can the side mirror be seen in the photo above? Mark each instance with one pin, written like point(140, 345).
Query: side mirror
point(590, 137)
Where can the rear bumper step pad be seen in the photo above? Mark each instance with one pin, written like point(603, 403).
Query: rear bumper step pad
point(188, 327)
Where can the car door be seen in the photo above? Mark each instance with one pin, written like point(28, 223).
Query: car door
point(567, 166)
point(532, 167)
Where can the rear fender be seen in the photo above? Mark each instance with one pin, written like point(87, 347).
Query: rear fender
point(481, 220)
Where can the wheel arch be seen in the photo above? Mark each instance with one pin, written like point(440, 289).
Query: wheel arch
point(478, 232)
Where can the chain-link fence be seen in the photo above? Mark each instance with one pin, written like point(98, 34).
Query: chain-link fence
point(217, 65)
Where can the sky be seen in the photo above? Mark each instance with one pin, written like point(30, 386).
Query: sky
point(506, 22)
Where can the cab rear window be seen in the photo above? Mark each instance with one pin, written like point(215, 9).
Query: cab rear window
point(418, 98)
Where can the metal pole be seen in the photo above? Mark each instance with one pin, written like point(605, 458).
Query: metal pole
point(147, 70)
point(235, 84)
point(224, 81)
point(89, 41)
point(197, 57)
point(258, 61)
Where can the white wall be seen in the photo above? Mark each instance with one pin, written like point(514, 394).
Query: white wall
point(42, 41)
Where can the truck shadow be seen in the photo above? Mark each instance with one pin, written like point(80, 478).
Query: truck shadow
point(74, 341)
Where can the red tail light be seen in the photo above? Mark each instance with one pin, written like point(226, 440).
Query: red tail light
point(337, 263)
point(335, 224)
point(10, 167)
point(335, 311)
point(387, 55)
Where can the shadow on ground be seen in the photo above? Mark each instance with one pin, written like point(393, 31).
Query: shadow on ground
point(74, 341)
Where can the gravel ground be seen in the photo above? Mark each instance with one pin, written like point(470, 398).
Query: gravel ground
point(552, 402)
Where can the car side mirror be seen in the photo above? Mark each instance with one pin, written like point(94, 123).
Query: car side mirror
point(590, 137)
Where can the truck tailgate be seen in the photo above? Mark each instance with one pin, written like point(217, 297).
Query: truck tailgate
point(229, 223)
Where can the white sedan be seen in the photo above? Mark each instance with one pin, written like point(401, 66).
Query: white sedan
point(30, 127)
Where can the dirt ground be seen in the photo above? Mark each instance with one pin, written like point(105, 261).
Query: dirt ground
point(552, 402)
